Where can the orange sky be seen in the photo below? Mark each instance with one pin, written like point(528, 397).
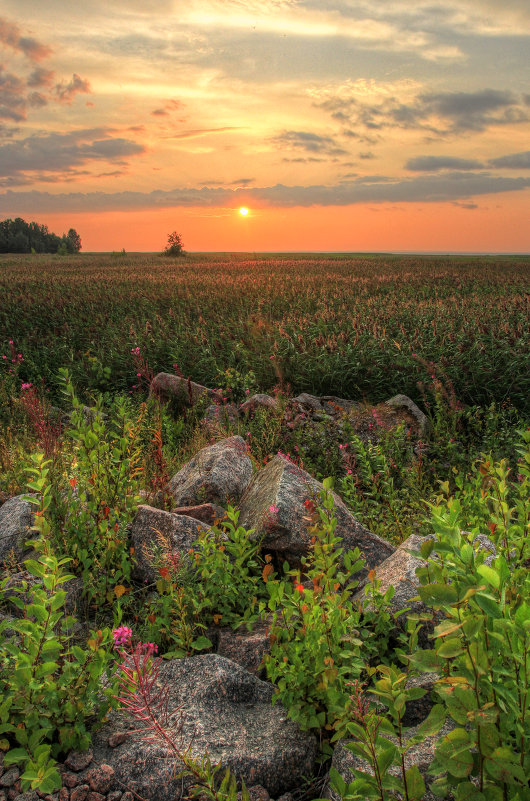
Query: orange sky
point(342, 124)
point(499, 226)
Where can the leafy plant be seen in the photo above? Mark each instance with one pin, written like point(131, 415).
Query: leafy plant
point(320, 639)
point(48, 685)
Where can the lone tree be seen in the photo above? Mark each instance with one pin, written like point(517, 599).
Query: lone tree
point(174, 245)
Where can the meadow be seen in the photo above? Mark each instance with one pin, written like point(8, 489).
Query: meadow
point(450, 332)
point(357, 327)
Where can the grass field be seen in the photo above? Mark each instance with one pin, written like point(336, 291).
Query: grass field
point(353, 326)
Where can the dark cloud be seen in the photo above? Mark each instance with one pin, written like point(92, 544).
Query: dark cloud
point(12, 97)
point(195, 132)
point(65, 92)
point(514, 161)
point(447, 187)
point(440, 113)
point(309, 142)
point(41, 77)
point(434, 163)
point(366, 155)
point(60, 154)
point(10, 35)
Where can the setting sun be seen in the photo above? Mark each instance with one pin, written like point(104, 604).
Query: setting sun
point(243, 211)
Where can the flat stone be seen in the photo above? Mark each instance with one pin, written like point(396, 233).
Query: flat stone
point(219, 473)
point(101, 778)
point(157, 535)
point(186, 393)
point(308, 402)
point(246, 648)
point(9, 778)
point(219, 709)
point(286, 488)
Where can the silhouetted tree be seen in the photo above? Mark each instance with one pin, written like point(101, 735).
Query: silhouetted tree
point(174, 245)
point(18, 236)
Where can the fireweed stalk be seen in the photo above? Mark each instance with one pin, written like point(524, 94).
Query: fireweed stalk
point(145, 698)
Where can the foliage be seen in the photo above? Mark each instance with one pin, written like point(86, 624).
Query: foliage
point(320, 640)
point(100, 497)
point(345, 326)
point(18, 236)
point(220, 583)
point(48, 685)
point(174, 246)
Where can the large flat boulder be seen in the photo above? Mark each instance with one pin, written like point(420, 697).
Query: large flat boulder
point(157, 535)
point(16, 520)
point(404, 403)
point(285, 488)
point(225, 712)
point(167, 386)
point(219, 473)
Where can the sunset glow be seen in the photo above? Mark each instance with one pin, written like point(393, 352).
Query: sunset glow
point(341, 125)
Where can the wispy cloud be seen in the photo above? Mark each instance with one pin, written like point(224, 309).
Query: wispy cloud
point(456, 186)
point(11, 36)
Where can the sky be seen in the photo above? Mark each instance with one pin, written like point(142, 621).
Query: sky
point(342, 125)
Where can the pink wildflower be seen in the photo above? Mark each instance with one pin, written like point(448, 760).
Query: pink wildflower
point(121, 636)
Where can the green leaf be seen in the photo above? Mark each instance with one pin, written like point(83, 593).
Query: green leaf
point(15, 755)
point(488, 604)
point(454, 753)
point(201, 643)
point(490, 575)
point(433, 722)
point(438, 594)
point(415, 784)
point(450, 648)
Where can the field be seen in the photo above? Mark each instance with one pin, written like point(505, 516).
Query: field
point(357, 327)
point(93, 330)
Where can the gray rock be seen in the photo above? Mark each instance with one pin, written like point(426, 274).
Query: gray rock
point(156, 534)
point(286, 487)
point(219, 473)
point(345, 762)
point(220, 416)
point(255, 402)
point(308, 402)
point(404, 402)
point(16, 520)
point(399, 571)
point(246, 648)
point(337, 407)
point(186, 393)
point(225, 712)
point(206, 512)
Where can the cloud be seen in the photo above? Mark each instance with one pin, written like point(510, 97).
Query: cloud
point(196, 132)
point(309, 142)
point(11, 37)
point(12, 97)
point(41, 77)
point(434, 163)
point(447, 187)
point(59, 154)
point(65, 92)
point(440, 113)
point(514, 161)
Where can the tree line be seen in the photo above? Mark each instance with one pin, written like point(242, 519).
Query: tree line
point(19, 236)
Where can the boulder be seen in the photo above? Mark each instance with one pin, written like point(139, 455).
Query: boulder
point(345, 762)
point(220, 416)
point(205, 512)
point(337, 407)
point(157, 535)
point(221, 710)
point(255, 402)
point(186, 393)
point(219, 473)
point(421, 420)
point(308, 402)
point(246, 648)
point(274, 505)
point(16, 520)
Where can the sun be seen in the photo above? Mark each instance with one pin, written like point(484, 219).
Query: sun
point(243, 210)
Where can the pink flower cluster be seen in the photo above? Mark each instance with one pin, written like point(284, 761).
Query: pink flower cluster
point(121, 636)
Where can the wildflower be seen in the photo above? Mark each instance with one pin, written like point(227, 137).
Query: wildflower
point(26, 385)
point(273, 509)
point(299, 588)
point(121, 636)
